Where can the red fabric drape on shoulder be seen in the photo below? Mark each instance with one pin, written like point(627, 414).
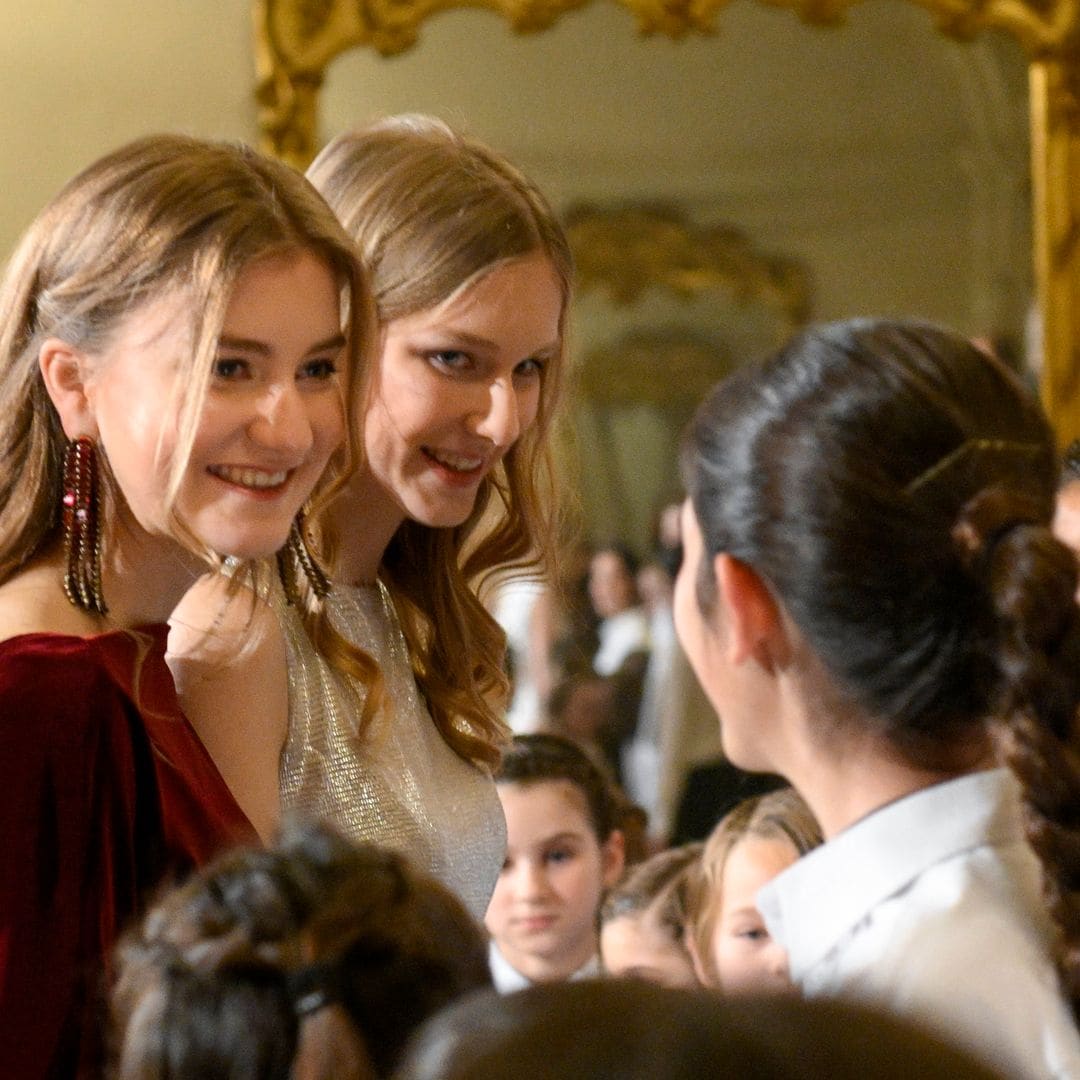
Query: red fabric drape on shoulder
point(106, 793)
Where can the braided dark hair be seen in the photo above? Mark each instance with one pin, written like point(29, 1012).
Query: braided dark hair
point(894, 486)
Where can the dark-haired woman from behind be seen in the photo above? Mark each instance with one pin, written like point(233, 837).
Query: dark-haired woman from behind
point(874, 601)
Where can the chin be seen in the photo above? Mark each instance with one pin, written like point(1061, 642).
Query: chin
point(443, 517)
point(248, 547)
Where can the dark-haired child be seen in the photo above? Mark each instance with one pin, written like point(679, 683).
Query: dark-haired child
point(563, 851)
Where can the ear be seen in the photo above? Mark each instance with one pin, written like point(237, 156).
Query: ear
point(755, 629)
point(613, 856)
point(65, 371)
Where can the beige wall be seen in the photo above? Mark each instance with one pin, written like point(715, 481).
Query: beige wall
point(78, 77)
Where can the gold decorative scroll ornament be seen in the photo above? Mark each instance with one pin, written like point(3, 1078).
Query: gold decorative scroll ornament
point(295, 40)
point(625, 373)
point(627, 250)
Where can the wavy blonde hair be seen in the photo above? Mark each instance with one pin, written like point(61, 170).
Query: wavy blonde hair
point(163, 214)
point(432, 212)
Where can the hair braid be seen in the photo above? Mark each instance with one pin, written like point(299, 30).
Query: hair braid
point(1031, 580)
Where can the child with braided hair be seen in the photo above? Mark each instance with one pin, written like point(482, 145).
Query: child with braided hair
point(873, 600)
point(315, 958)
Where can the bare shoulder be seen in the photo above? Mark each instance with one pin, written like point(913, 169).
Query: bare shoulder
point(33, 602)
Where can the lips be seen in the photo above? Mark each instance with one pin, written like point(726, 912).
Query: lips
point(245, 477)
point(534, 924)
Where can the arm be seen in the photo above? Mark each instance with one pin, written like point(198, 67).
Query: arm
point(227, 656)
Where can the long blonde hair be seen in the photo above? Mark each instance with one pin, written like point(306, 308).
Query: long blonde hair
point(777, 815)
point(164, 213)
point(431, 212)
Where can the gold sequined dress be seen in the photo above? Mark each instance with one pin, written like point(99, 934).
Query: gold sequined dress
point(400, 785)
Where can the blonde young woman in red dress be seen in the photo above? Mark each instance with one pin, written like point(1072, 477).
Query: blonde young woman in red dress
point(176, 339)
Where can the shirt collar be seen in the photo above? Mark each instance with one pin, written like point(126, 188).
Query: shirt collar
point(507, 978)
point(810, 906)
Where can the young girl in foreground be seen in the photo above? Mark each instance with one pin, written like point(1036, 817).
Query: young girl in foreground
point(873, 600)
point(470, 272)
point(171, 333)
point(732, 949)
point(563, 850)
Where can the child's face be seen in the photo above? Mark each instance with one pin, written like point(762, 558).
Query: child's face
point(542, 914)
point(636, 946)
point(744, 955)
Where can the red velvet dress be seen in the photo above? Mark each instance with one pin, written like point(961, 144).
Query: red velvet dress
point(105, 793)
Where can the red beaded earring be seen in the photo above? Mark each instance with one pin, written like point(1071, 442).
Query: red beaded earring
point(82, 536)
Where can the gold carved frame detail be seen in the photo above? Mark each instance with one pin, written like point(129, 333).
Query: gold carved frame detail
point(626, 250)
point(295, 41)
point(622, 252)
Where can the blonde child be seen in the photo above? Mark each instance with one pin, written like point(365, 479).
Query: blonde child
point(727, 937)
point(643, 921)
point(563, 851)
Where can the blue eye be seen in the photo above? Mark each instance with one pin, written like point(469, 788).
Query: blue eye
point(229, 368)
point(321, 369)
point(530, 369)
point(451, 361)
point(758, 933)
point(559, 855)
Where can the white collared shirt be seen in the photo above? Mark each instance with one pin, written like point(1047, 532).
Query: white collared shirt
point(507, 978)
point(931, 906)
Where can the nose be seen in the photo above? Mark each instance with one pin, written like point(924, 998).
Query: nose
point(281, 420)
point(530, 881)
point(498, 415)
point(778, 961)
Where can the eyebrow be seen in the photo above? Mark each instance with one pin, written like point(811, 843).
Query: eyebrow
point(749, 909)
point(562, 836)
point(476, 341)
point(260, 348)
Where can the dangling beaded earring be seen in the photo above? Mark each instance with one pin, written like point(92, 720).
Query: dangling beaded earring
point(294, 554)
point(82, 536)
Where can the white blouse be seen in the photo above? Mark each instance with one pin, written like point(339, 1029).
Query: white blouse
point(931, 906)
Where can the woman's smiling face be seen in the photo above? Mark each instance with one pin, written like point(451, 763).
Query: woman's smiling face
point(272, 417)
point(457, 385)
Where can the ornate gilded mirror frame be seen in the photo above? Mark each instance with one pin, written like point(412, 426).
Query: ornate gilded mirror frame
point(295, 40)
point(626, 420)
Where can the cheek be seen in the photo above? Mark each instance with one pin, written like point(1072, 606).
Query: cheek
point(579, 881)
point(378, 436)
point(328, 421)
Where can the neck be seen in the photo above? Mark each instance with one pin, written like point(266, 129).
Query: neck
point(845, 778)
point(144, 577)
point(364, 518)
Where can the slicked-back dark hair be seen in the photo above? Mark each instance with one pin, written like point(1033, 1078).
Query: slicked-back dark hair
point(894, 487)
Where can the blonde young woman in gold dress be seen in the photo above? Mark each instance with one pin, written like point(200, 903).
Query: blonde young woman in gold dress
point(389, 724)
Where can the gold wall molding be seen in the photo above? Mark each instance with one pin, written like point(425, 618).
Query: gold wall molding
point(623, 251)
point(295, 40)
point(669, 372)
